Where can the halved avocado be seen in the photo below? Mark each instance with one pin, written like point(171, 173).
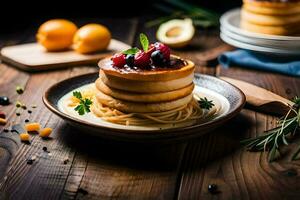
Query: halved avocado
point(176, 33)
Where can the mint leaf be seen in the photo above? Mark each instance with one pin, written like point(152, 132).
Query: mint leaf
point(144, 41)
point(133, 50)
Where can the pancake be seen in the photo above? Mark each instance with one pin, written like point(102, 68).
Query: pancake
point(275, 17)
point(270, 20)
point(134, 107)
point(145, 86)
point(175, 71)
point(138, 97)
point(282, 4)
point(272, 30)
point(277, 11)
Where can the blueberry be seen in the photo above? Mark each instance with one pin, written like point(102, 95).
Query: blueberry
point(130, 60)
point(212, 188)
point(4, 100)
point(157, 58)
point(29, 161)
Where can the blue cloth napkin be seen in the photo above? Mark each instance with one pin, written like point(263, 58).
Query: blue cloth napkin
point(251, 60)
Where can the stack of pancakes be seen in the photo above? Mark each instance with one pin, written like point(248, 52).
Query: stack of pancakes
point(144, 91)
point(276, 17)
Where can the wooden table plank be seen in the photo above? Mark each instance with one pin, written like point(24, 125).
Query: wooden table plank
point(240, 174)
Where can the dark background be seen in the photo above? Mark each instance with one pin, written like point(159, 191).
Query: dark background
point(18, 15)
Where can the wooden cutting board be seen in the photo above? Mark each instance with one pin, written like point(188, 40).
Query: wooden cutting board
point(33, 57)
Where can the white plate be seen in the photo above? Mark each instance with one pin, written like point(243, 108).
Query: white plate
point(279, 44)
point(231, 21)
point(259, 49)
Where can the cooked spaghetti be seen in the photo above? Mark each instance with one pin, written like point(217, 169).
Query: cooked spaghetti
point(191, 111)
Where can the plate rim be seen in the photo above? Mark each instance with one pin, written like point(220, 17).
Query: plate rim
point(256, 48)
point(236, 11)
point(258, 41)
point(126, 132)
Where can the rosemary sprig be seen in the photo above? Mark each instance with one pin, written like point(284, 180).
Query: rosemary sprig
point(274, 138)
point(179, 9)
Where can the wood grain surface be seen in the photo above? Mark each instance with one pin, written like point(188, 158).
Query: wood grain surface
point(99, 169)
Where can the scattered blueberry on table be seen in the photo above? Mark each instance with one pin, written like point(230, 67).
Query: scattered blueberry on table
point(4, 100)
point(212, 188)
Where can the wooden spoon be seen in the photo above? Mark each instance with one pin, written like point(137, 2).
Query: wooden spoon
point(261, 99)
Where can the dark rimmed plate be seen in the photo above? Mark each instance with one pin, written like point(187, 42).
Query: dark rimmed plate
point(234, 97)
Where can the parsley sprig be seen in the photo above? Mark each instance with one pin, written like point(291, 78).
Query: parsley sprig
point(205, 103)
point(275, 138)
point(84, 104)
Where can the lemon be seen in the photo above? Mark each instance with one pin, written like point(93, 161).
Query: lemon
point(91, 38)
point(56, 34)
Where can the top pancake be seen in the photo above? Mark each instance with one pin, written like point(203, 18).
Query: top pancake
point(161, 74)
point(273, 3)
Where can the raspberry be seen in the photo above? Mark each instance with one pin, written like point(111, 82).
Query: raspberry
point(164, 49)
point(119, 60)
point(142, 59)
point(151, 49)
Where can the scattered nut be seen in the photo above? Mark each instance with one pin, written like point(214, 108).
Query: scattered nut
point(3, 121)
point(44, 133)
point(25, 137)
point(32, 127)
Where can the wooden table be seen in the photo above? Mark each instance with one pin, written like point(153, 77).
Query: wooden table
point(106, 170)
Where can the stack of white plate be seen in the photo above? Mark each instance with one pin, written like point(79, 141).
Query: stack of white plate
point(232, 34)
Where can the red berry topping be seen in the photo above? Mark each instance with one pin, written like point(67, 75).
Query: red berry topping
point(164, 49)
point(142, 59)
point(2, 115)
point(151, 49)
point(119, 60)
